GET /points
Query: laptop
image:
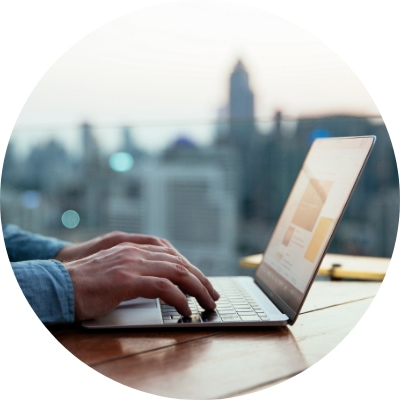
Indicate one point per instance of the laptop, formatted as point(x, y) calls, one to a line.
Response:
point(290, 262)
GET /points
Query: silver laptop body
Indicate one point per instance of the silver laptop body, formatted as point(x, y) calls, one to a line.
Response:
point(291, 259)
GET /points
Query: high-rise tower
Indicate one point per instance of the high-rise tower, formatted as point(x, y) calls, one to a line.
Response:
point(241, 106)
point(241, 133)
point(241, 98)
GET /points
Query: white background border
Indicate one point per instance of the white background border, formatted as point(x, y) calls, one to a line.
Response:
point(34, 34)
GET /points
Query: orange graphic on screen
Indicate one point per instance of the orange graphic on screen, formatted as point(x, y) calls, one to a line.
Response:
point(319, 237)
point(311, 204)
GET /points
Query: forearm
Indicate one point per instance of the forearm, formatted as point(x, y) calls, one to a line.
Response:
point(22, 245)
point(48, 288)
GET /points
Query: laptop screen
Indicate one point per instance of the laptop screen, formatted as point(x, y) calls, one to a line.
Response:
point(309, 219)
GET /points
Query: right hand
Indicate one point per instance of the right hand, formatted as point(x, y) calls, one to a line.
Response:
point(126, 271)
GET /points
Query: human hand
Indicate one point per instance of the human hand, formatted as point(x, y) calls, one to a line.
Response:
point(80, 250)
point(126, 271)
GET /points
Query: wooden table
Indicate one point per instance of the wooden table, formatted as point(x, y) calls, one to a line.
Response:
point(220, 363)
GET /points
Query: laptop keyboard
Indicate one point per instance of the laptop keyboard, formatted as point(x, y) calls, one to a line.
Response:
point(234, 305)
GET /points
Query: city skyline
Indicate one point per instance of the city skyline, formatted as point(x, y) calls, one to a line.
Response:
point(163, 73)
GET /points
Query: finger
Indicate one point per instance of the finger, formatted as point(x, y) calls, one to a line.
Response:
point(182, 277)
point(186, 263)
point(199, 275)
point(204, 281)
point(151, 287)
point(166, 254)
point(142, 239)
point(114, 238)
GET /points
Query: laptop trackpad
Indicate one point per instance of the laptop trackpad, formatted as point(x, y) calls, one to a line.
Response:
point(135, 312)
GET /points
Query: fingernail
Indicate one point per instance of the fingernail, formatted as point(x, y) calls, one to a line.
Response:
point(216, 295)
point(188, 312)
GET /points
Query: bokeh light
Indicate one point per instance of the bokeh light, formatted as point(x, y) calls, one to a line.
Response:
point(31, 199)
point(121, 162)
point(70, 219)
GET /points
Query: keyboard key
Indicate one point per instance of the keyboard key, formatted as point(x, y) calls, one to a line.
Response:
point(226, 312)
point(247, 313)
point(233, 301)
point(230, 318)
point(249, 318)
point(210, 316)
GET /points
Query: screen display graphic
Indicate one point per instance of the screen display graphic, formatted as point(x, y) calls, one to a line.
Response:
point(310, 216)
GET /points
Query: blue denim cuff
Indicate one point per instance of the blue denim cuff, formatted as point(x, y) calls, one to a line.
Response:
point(22, 245)
point(48, 288)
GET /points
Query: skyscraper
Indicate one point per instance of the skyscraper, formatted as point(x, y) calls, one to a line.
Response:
point(241, 98)
point(241, 106)
point(241, 133)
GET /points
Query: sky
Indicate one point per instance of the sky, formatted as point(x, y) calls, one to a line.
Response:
point(34, 35)
point(164, 70)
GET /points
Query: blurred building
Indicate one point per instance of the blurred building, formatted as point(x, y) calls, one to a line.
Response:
point(240, 133)
point(193, 209)
point(241, 107)
point(214, 203)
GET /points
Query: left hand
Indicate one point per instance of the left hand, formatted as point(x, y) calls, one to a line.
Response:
point(80, 250)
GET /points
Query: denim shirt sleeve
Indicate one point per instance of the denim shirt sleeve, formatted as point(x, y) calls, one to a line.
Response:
point(44, 281)
point(22, 245)
point(48, 288)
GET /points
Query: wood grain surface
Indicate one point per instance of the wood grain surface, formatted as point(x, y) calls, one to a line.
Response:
point(218, 363)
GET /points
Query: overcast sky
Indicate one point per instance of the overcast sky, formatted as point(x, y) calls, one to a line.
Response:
point(164, 70)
